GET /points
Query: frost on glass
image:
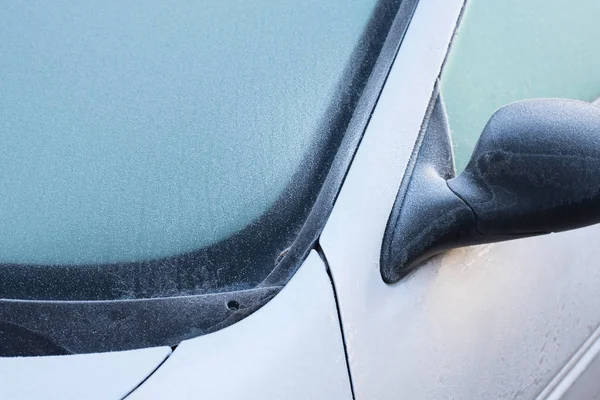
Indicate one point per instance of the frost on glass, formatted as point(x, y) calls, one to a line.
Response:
point(138, 130)
point(512, 50)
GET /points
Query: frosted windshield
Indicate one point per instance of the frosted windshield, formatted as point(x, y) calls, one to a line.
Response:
point(138, 130)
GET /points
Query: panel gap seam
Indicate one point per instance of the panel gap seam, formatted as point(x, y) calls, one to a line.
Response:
point(321, 254)
point(150, 374)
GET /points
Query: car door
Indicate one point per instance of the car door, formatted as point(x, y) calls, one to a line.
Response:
point(515, 319)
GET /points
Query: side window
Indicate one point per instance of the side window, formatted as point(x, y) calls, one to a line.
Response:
point(510, 50)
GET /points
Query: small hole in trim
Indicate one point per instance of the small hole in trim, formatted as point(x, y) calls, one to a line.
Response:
point(233, 305)
point(281, 255)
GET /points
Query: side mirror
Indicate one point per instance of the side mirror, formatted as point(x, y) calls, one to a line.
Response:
point(535, 170)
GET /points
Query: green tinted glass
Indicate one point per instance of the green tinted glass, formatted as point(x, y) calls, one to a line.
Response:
point(138, 130)
point(511, 50)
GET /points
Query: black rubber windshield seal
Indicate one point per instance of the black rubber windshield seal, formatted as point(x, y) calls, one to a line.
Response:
point(92, 308)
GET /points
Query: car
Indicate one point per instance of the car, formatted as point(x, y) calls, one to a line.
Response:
point(303, 200)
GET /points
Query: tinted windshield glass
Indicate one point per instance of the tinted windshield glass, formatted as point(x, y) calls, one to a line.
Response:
point(134, 131)
point(166, 167)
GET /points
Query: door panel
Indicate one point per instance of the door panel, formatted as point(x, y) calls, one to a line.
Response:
point(493, 321)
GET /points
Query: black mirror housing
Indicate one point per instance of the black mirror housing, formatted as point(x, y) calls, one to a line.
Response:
point(535, 170)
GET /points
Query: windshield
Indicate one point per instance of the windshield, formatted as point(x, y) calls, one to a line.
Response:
point(166, 167)
point(138, 130)
point(153, 149)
